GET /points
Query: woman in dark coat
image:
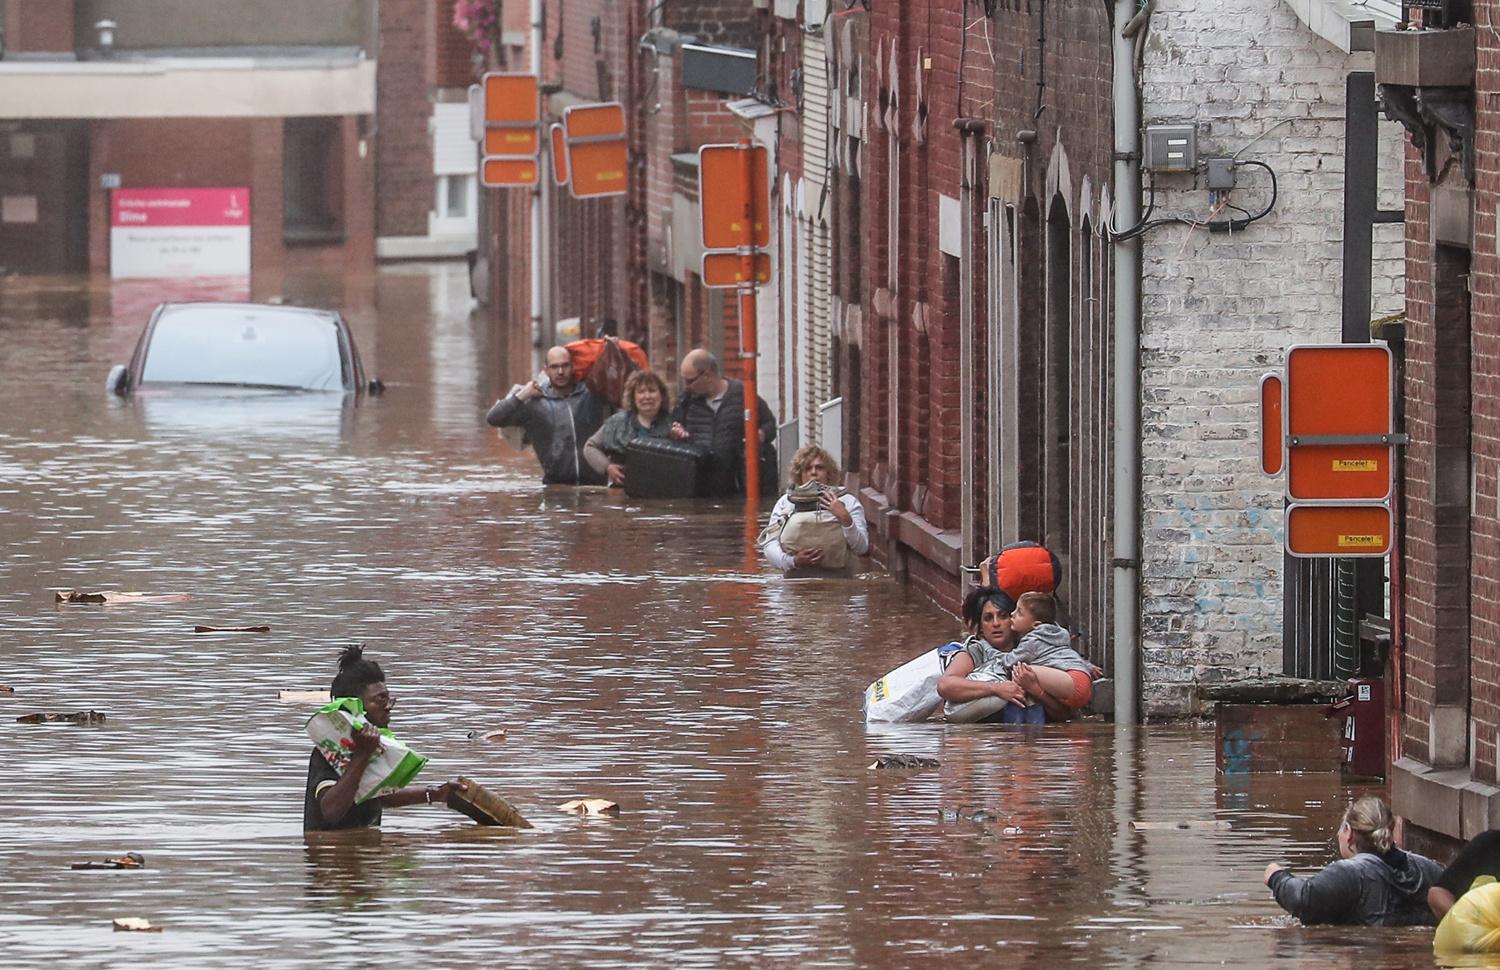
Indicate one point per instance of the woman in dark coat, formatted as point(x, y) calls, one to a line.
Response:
point(1374, 884)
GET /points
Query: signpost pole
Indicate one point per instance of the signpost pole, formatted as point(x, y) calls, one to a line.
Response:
point(748, 337)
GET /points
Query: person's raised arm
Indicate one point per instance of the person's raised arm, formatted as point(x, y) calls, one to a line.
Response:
point(509, 411)
point(856, 531)
point(955, 687)
point(1326, 897)
point(338, 799)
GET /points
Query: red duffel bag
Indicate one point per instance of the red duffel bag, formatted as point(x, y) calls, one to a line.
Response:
point(603, 364)
point(1021, 567)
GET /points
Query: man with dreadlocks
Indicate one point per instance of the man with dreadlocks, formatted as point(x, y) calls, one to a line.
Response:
point(329, 803)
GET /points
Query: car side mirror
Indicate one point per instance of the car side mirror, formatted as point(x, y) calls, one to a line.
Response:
point(375, 386)
point(118, 381)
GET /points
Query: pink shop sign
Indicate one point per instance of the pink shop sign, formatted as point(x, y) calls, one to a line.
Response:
point(164, 233)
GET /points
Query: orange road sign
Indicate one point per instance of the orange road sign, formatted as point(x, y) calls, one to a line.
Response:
point(508, 172)
point(729, 218)
point(512, 110)
point(1339, 434)
point(559, 147)
point(598, 156)
point(1344, 531)
point(1272, 443)
point(728, 269)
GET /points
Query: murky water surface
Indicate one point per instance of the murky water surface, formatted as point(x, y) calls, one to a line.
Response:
point(628, 652)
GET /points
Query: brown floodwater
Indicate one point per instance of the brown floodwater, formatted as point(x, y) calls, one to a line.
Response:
point(628, 651)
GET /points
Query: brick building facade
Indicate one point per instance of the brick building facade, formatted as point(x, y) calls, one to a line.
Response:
point(281, 105)
point(1445, 663)
point(997, 130)
point(626, 262)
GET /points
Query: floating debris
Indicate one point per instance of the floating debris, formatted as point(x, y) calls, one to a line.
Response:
point(1185, 826)
point(112, 596)
point(82, 717)
point(303, 696)
point(485, 807)
point(590, 806)
point(135, 924)
point(903, 761)
point(130, 860)
point(231, 629)
point(486, 735)
point(959, 815)
point(7, 691)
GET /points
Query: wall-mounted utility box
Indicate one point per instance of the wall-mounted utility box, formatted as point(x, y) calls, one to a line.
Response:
point(1170, 148)
point(728, 70)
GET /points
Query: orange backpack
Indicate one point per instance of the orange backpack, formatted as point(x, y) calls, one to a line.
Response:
point(1022, 567)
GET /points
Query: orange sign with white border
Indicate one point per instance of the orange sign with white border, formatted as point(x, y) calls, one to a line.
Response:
point(1346, 531)
point(508, 172)
point(598, 156)
point(1338, 420)
point(512, 110)
point(728, 269)
point(722, 201)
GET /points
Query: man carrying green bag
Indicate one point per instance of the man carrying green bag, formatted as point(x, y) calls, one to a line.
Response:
point(357, 766)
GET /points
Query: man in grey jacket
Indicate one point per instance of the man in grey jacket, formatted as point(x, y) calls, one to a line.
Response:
point(559, 415)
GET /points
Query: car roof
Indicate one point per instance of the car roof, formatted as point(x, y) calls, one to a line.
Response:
point(331, 315)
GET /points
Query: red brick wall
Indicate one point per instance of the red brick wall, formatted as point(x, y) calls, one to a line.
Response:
point(404, 182)
point(962, 78)
point(1484, 642)
point(453, 57)
point(1448, 632)
point(32, 26)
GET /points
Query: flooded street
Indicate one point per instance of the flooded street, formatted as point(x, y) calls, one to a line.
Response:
point(627, 651)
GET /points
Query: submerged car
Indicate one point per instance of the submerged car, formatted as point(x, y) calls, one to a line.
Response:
point(244, 345)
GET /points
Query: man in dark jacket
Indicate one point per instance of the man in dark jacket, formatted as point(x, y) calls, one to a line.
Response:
point(559, 415)
point(711, 413)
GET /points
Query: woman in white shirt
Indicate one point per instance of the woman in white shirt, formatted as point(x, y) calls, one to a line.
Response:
point(814, 465)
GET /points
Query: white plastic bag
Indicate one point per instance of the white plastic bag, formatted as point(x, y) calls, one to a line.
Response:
point(909, 693)
point(392, 767)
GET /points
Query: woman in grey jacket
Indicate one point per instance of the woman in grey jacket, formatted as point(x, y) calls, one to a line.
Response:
point(1374, 884)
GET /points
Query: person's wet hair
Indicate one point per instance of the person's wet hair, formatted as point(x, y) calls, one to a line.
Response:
point(355, 673)
point(1371, 827)
point(974, 604)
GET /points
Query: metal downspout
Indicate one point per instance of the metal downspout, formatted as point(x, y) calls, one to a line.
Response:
point(1127, 309)
point(537, 334)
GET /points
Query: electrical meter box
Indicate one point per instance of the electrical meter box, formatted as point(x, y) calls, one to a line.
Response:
point(1170, 148)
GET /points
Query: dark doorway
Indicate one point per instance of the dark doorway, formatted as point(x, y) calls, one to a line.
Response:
point(44, 197)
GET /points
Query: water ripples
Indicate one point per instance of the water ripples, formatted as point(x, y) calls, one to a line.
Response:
point(627, 651)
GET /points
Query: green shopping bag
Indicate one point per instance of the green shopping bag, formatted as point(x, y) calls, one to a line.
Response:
point(392, 767)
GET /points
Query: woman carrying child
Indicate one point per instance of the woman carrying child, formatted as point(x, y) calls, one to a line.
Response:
point(1017, 663)
point(646, 415)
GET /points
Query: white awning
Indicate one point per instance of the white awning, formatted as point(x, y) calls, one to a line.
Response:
point(186, 88)
point(1349, 25)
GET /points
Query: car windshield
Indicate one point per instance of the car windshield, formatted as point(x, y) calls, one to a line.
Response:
point(244, 345)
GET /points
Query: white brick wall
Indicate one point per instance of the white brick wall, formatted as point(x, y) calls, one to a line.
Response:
point(1218, 311)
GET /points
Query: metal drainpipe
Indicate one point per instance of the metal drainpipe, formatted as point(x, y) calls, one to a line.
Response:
point(1127, 295)
point(970, 132)
point(538, 224)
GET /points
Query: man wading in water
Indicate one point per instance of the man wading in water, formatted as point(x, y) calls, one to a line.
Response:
point(329, 803)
